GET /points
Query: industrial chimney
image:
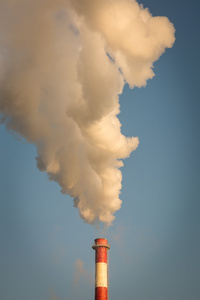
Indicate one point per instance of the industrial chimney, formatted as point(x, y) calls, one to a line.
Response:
point(101, 269)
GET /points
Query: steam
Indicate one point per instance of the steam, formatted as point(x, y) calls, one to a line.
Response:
point(63, 65)
point(80, 273)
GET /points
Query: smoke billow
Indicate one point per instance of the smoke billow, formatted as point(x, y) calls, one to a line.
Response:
point(63, 65)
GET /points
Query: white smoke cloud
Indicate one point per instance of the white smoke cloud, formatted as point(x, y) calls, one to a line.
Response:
point(63, 65)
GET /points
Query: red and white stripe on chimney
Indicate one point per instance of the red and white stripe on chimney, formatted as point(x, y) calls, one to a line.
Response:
point(101, 269)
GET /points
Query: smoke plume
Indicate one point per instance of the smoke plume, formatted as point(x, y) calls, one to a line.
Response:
point(81, 273)
point(63, 65)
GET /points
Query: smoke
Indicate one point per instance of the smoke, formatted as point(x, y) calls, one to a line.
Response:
point(63, 65)
point(80, 273)
point(53, 295)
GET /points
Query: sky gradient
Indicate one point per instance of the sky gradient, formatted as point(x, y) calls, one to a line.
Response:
point(46, 249)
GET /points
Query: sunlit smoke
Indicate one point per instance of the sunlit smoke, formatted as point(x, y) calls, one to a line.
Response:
point(63, 65)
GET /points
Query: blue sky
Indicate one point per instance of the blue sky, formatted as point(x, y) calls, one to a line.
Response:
point(154, 240)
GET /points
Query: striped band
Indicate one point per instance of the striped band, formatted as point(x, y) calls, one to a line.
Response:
point(101, 279)
point(101, 255)
point(101, 293)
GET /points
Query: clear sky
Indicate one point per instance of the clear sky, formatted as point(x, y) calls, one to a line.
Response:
point(46, 252)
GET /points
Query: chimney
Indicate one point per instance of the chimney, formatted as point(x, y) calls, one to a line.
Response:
point(101, 270)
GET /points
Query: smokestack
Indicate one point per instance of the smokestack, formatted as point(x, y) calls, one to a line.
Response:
point(101, 269)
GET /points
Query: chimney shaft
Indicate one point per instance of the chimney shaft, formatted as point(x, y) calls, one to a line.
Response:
point(101, 270)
